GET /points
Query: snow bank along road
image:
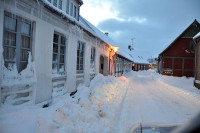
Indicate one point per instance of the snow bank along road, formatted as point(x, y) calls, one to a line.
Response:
point(108, 105)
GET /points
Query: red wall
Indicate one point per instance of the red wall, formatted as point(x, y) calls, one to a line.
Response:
point(180, 48)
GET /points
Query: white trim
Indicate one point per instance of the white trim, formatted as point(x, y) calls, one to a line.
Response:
point(197, 81)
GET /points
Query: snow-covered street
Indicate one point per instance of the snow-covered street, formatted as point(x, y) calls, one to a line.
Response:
point(110, 104)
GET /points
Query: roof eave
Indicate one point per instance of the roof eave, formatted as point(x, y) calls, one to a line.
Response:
point(178, 37)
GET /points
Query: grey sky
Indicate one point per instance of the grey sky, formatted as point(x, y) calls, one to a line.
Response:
point(153, 23)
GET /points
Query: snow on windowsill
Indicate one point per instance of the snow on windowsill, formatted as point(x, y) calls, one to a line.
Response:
point(12, 78)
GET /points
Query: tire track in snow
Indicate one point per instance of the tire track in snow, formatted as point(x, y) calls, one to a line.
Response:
point(146, 100)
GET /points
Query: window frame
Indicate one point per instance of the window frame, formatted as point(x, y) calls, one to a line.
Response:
point(18, 40)
point(67, 6)
point(92, 57)
point(79, 56)
point(55, 3)
point(58, 53)
point(71, 9)
point(60, 3)
point(74, 11)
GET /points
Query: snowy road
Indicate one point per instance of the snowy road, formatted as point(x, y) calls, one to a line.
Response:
point(108, 105)
point(148, 100)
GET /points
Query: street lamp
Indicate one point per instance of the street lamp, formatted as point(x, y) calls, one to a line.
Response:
point(115, 49)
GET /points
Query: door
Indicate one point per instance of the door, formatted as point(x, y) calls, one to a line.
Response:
point(101, 64)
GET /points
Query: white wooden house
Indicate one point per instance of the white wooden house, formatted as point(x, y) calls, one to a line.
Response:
point(47, 47)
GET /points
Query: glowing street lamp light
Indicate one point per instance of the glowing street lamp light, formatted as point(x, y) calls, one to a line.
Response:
point(115, 49)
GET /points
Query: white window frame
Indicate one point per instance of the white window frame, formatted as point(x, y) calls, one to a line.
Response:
point(22, 44)
point(67, 6)
point(60, 4)
point(55, 3)
point(92, 57)
point(75, 11)
point(71, 9)
point(60, 43)
point(80, 57)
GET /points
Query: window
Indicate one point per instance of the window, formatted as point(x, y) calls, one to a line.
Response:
point(92, 60)
point(17, 41)
point(74, 11)
point(192, 45)
point(71, 9)
point(60, 4)
point(67, 6)
point(49, 1)
point(55, 3)
point(59, 47)
point(80, 58)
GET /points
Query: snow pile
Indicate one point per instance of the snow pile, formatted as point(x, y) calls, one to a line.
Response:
point(10, 75)
point(109, 104)
point(91, 109)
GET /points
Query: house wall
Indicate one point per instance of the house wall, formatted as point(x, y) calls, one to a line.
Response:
point(45, 23)
point(178, 60)
point(197, 58)
point(138, 67)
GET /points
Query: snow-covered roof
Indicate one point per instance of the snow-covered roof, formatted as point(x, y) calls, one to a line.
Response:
point(106, 38)
point(86, 25)
point(140, 59)
point(195, 22)
point(197, 35)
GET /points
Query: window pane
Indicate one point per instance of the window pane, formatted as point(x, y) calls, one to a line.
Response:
point(23, 65)
point(77, 61)
point(24, 55)
point(9, 53)
point(62, 49)
point(9, 65)
point(62, 41)
point(55, 48)
point(62, 68)
point(78, 53)
point(25, 42)
point(81, 61)
point(55, 3)
point(60, 4)
point(71, 9)
point(55, 39)
point(74, 11)
point(54, 67)
point(81, 54)
point(77, 67)
point(55, 57)
point(10, 23)
point(62, 57)
point(67, 6)
point(25, 28)
point(9, 38)
point(81, 67)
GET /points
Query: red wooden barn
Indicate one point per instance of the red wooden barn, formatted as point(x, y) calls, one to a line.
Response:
point(178, 58)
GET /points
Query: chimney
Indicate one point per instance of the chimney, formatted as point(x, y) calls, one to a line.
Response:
point(106, 33)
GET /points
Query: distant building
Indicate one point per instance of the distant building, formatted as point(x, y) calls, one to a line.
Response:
point(140, 63)
point(197, 62)
point(47, 48)
point(178, 58)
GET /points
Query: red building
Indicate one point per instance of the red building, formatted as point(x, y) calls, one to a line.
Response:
point(140, 63)
point(197, 62)
point(178, 59)
point(140, 66)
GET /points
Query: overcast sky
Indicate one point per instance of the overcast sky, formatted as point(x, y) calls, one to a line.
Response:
point(153, 23)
